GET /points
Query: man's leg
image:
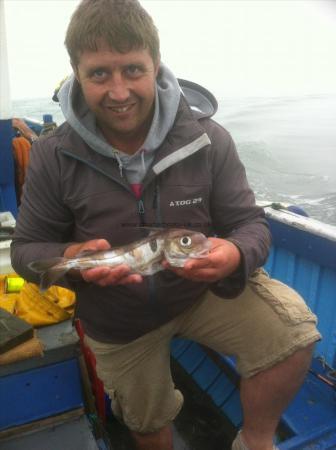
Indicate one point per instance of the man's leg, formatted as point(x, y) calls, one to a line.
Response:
point(160, 440)
point(138, 380)
point(271, 332)
point(266, 395)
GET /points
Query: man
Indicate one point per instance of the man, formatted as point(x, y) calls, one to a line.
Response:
point(133, 151)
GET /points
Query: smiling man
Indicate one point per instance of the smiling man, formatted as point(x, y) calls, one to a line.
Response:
point(140, 148)
point(119, 89)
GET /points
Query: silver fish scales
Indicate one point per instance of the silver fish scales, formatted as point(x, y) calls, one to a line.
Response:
point(144, 256)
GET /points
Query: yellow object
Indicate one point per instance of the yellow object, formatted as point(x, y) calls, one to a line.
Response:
point(37, 308)
point(8, 302)
point(13, 284)
point(62, 297)
point(42, 309)
point(3, 278)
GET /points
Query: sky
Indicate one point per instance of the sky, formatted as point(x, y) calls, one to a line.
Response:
point(232, 47)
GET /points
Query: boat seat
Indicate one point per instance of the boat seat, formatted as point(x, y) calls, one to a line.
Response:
point(313, 408)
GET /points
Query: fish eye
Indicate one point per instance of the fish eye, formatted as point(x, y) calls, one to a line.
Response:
point(185, 241)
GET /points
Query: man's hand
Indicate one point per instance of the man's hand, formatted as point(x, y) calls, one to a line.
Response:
point(224, 258)
point(24, 129)
point(104, 275)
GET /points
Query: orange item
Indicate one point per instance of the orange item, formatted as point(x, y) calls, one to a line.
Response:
point(21, 149)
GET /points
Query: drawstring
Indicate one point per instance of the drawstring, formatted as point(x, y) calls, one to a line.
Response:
point(143, 160)
point(120, 164)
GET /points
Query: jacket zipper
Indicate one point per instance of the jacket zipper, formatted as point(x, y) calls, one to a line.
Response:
point(151, 283)
point(141, 211)
point(156, 206)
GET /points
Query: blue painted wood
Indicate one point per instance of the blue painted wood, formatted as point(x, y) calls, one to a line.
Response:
point(221, 390)
point(192, 358)
point(7, 177)
point(322, 439)
point(302, 243)
point(179, 346)
point(317, 285)
point(232, 408)
point(313, 406)
point(40, 393)
point(206, 374)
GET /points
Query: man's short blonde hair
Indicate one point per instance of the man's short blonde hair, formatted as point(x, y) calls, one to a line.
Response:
point(123, 24)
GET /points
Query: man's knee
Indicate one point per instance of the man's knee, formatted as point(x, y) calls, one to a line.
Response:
point(146, 415)
point(159, 440)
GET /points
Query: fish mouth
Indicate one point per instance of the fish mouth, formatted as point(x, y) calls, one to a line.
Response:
point(184, 256)
point(202, 254)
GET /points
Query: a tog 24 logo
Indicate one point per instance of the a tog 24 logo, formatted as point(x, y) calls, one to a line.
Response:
point(192, 201)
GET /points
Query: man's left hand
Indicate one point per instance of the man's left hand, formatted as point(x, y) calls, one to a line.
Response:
point(223, 259)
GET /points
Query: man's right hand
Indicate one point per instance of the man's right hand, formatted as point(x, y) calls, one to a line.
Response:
point(104, 275)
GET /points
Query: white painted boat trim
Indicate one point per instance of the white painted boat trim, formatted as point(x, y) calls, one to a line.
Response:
point(300, 222)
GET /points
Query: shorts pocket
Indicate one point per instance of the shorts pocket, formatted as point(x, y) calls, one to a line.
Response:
point(286, 302)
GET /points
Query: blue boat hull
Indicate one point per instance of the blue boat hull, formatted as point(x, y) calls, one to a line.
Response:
point(304, 260)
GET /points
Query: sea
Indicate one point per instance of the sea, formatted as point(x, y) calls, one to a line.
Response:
point(287, 144)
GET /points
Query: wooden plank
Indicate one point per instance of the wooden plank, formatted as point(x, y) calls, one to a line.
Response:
point(13, 331)
point(42, 424)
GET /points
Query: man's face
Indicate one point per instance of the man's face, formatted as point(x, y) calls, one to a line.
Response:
point(119, 89)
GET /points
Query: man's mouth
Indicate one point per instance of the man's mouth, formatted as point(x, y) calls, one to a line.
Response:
point(120, 109)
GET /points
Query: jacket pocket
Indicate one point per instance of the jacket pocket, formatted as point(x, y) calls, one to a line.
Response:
point(286, 302)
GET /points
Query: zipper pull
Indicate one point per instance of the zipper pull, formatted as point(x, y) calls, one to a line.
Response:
point(141, 207)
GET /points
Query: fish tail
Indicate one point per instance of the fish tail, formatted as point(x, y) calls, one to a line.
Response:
point(50, 277)
point(49, 271)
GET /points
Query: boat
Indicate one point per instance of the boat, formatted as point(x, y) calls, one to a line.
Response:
point(57, 402)
point(303, 255)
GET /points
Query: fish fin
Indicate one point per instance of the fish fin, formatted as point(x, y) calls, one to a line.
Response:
point(49, 277)
point(49, 273)
point(45, 264)
point(152, 269)
point(154, 230)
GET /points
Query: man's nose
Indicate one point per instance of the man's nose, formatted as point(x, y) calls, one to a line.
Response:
point(118, 89)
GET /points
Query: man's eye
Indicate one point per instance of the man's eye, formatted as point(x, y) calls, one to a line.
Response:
point(98, 74)
point(133, 70)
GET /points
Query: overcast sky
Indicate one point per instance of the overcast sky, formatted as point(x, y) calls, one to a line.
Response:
point(239, 47)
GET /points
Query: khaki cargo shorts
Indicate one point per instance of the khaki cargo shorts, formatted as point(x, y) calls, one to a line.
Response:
point(261, 327)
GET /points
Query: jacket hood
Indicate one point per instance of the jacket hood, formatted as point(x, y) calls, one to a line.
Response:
point(200, 100)
point(167, 99)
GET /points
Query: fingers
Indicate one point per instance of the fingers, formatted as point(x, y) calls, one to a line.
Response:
point(206, 274)
point(102, 276)
point(94, 245)
point(101, 244)
point(223, 259)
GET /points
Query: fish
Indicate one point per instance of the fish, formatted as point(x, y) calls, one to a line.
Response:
point(144, 256)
